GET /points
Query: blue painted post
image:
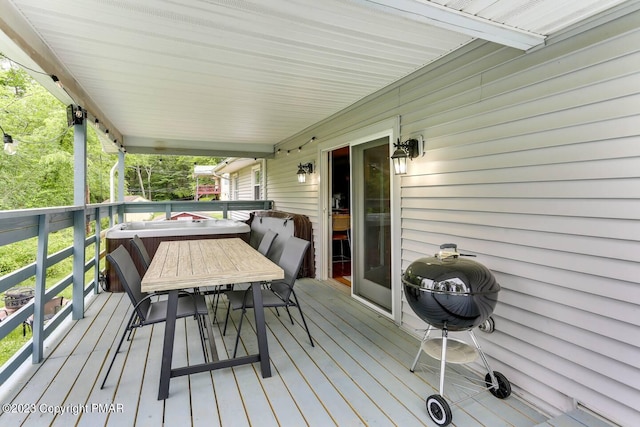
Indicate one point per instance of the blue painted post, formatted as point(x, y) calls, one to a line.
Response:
point(37, 353)
point(96, 259)
point(120, 185)
point(79, 225)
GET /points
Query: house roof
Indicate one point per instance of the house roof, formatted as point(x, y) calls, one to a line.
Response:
point(234, 79)
point(234, 164)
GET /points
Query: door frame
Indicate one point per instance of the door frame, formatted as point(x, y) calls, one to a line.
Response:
point(386, 128)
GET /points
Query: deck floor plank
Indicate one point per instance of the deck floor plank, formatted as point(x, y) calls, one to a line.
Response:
point(109, 332)
point(178, 406)
point(357, 373)
point(203, 413)
point(50, 382)
point(150, 410)
point(368, 372)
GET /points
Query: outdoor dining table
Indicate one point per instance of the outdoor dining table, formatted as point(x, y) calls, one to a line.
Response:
point(184, 264)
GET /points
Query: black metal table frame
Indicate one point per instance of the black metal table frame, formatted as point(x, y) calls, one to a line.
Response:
point(166, 373)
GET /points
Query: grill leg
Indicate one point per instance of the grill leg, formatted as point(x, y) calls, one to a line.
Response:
point(494, 382)
point(443, 360)
point(424, 338)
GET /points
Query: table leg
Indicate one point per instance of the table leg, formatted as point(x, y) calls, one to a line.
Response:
point(261, 331)
point(167, 349)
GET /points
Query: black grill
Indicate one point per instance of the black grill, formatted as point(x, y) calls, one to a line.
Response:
point(450, 291)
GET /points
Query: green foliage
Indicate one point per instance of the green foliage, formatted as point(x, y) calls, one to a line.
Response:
point(19, 254)
point(161, 178)
point(12, 343)
point(41, 172)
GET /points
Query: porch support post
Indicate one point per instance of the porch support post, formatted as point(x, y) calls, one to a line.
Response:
point(120, 184)
point(79, 216)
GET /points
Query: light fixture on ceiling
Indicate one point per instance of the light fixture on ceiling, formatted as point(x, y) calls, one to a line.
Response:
point(408, 149)
point(303, 170)
point(9, 146)
point(56, 80)
point(75, 115)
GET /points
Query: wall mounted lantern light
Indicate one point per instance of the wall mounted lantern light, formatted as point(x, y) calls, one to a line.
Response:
point(303, 170)
point(408, 149)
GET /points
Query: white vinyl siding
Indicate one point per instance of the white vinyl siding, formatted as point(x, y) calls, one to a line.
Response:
point(533, 163)
point(244, 191)
point(256, 182)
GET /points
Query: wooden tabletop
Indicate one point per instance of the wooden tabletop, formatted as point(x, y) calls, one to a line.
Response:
point(210, 262)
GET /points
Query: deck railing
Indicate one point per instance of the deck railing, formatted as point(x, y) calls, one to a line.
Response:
point(86, 251)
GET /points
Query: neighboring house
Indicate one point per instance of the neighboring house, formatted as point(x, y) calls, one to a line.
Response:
point(207, 182)
point(187, 216)
point(242, 179)
point(532, 162)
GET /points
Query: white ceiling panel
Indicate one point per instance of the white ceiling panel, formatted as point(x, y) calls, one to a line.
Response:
point(204, 75)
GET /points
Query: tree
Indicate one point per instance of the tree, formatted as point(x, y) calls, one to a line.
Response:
point(163, 177)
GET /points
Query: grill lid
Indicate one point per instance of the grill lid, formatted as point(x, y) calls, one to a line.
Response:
point(450, 291)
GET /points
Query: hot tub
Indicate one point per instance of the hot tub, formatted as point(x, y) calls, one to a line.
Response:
point(154, 232)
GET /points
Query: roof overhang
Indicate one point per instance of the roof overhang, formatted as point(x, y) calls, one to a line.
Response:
point(432, 13)
point(235, 79)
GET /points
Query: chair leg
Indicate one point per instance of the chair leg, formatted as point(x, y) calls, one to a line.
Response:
point(226, 319)
point(216, 299)
point(201, 327)
point(235, 348)
point(286, 307)
point(304, 322)
point(113, 359)
point(133, 320)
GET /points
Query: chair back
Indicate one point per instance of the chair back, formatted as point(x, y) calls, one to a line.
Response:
point(137, 243)
point(290, 261)
point(130, 279)
point(266, 242)
point(341, 222)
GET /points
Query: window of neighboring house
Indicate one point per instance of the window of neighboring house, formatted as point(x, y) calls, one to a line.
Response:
point(235, 187)
point(256, 181)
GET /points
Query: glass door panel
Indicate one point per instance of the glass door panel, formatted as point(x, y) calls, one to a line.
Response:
point(372, 222)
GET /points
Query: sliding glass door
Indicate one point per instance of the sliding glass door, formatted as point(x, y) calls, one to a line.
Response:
point(371, 203)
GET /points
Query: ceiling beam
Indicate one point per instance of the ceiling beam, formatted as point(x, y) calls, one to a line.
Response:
point(163, 146)
point(454, 20)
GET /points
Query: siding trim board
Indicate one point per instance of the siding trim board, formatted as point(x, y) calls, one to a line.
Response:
point(533, 164)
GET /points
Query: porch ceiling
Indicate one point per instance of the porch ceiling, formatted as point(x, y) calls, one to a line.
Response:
point(234, 78)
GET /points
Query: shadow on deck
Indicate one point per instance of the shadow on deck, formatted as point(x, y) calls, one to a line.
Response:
point(358, 374)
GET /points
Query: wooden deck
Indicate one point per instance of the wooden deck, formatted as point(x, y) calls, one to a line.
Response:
point(357, 374)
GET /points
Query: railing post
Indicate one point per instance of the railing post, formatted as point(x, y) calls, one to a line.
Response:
point(79, 199)
point(78, 263)
point(41, 281)
point(96, 260)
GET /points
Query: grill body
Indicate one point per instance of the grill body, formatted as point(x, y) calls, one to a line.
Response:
point(453, 293)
